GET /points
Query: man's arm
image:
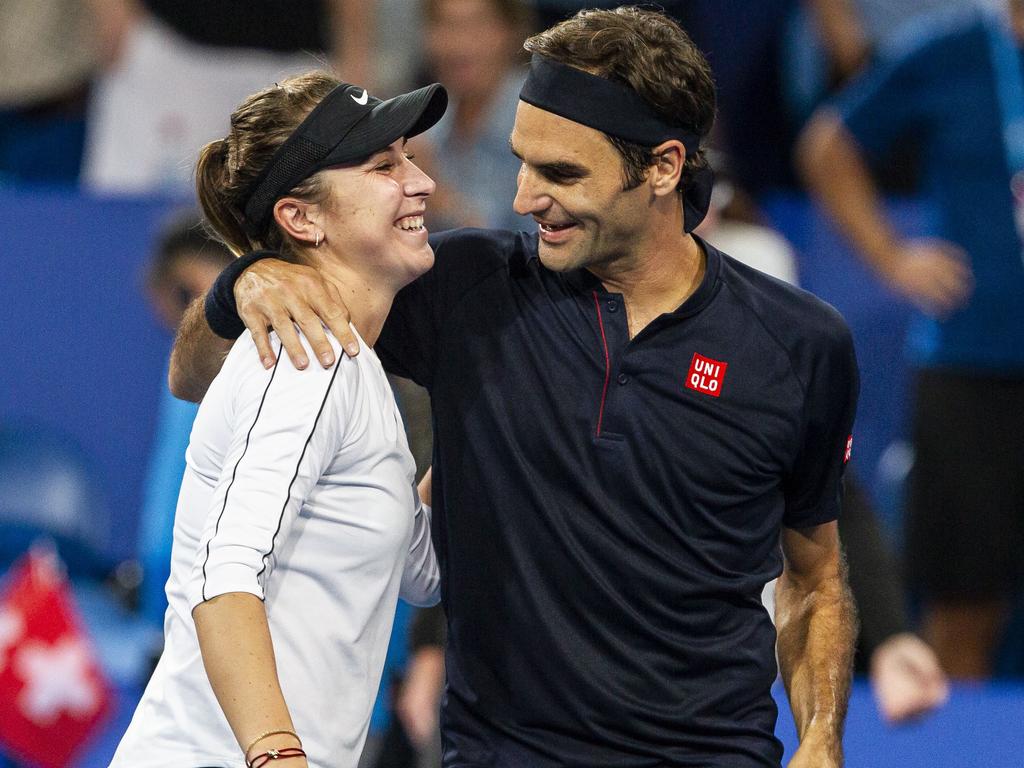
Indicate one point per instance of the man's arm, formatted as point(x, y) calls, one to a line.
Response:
point(817, 626)
point(842, 32)
point(269, 294)
point(197, 355)
point(932, 274)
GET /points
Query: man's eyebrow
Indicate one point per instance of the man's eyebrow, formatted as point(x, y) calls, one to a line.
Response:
point(562, 168)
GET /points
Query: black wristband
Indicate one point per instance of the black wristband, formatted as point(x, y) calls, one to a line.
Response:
point(220, 308)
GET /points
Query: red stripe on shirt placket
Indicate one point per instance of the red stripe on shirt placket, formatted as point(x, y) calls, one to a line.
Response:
point(607, 364)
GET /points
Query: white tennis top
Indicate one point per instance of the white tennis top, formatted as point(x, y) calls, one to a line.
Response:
point(299, 489)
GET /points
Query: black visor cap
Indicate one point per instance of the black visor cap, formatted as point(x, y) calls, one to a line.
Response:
point(348, 125)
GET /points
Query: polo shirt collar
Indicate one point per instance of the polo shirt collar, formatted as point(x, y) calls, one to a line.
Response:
point(585, 282)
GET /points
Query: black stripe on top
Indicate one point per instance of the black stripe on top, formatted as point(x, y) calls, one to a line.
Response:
point(298, 464)
point(234, 471)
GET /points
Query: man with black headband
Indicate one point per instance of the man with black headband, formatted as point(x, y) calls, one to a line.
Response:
point(626, 422)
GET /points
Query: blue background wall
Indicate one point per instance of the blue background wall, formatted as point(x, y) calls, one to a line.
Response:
point(82, 352)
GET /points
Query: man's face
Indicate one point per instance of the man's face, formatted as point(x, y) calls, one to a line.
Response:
point(571, 182)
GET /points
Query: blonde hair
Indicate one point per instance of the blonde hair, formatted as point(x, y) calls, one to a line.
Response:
point(228, 167)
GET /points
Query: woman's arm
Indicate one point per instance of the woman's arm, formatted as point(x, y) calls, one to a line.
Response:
point(286, 427)
point(421, 578)
point(197, 356)
point(239, 658)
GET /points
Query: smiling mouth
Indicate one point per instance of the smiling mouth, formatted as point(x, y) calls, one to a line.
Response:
point(411, 223)
point(550, 228)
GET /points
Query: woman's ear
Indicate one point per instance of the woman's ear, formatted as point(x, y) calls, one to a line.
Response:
point(298, 219)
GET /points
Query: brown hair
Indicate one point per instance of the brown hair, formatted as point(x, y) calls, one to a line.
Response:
point(650, 53)
point(227, 167)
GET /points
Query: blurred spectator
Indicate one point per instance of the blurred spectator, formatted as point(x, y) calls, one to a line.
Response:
point(831, 41)
point(957, 85)
point(50, 52)
point(906, 678)
point(742, 41)
point(474, 47)
point(185, 64)
point(418, 704)
point(342, 28)
point(185, 263)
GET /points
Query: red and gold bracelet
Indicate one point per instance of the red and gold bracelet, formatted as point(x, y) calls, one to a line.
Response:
point(275, 754)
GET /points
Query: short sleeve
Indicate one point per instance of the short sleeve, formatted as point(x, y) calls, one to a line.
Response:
point(893, 97)
point(285, 432)
point(813, 488)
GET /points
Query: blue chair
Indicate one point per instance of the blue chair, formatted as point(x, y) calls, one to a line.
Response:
point(48, 489)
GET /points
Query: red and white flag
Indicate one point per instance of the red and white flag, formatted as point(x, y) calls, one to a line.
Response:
point(53, 694)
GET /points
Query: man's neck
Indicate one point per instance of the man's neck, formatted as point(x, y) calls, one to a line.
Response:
point(655, 279)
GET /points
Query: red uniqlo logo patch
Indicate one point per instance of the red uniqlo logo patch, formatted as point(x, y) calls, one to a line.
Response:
point(849, 449)
point(706, 375)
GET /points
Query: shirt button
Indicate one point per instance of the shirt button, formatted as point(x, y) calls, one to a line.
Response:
point(623, 378)
point(613, 306)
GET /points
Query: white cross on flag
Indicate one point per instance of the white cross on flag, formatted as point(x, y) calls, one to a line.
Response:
point(53, 692)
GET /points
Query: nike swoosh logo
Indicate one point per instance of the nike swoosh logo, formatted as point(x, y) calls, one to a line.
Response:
point(361, 100)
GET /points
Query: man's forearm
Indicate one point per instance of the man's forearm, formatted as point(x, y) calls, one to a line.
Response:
point(817, 628)
point(837, 175)
point(197, 356)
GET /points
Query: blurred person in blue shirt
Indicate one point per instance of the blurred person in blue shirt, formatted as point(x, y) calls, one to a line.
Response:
point(475, 47)
point(184, 265)
point(956, 86)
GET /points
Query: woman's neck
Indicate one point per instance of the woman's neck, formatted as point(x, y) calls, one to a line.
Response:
point(367, 300)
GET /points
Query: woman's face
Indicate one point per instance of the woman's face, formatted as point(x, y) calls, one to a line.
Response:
point(374, 216)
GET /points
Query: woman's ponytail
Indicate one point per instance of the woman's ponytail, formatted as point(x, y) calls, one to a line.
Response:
point(213, 188)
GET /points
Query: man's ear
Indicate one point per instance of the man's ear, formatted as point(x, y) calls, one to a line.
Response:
point(298, 219)
point(667, 166)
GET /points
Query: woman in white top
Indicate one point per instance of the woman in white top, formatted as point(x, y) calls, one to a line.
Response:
point(298, 524)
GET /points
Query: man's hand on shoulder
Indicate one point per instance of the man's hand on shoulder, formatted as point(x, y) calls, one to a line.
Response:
point(269, 294)
point(279, 295)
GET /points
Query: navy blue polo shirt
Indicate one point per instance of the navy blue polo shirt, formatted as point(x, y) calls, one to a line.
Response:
point(608, 510)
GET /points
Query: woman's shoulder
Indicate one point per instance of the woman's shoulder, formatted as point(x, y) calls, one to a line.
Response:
point(244, 371)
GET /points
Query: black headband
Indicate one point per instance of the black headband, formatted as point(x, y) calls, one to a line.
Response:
point(346, 126)
point(616, 110)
